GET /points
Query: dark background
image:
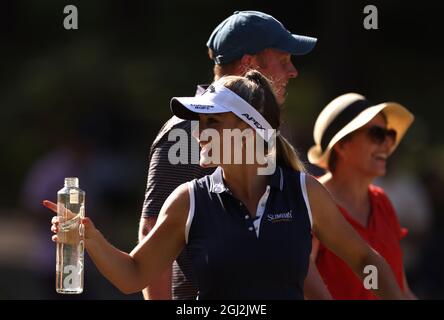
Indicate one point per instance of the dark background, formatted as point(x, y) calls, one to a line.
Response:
point(89, 102)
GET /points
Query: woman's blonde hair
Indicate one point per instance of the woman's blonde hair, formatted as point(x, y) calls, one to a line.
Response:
point(257, 91)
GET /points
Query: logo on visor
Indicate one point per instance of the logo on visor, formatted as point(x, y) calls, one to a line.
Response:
point(201, 106)
point(256, 123)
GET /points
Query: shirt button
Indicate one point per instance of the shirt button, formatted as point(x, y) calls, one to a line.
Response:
point(250, 228)
point(247, 217)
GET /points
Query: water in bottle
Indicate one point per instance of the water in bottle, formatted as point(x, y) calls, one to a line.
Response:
point(70, 247)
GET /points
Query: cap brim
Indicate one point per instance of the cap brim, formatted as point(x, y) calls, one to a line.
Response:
point(189, 108)
point(298, 45)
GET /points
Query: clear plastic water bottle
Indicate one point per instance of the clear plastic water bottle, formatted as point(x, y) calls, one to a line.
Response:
point(70, 247)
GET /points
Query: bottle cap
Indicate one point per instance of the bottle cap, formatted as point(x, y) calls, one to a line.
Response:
point(72, 182)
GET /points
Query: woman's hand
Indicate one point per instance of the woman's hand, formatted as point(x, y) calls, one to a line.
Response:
point(69, 231)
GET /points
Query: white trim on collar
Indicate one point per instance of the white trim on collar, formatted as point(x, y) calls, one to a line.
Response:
point(305, 195)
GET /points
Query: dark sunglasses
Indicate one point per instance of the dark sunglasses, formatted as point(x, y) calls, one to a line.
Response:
point(378, 134)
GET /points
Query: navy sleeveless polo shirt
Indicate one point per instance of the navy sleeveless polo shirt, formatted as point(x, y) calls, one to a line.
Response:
point(235, 257)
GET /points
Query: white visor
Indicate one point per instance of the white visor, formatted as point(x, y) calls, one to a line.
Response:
point(219, 99)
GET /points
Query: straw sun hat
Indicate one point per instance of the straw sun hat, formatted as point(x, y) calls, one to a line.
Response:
point(348, 113)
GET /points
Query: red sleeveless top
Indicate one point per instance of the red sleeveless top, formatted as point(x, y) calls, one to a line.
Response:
point(382, 233)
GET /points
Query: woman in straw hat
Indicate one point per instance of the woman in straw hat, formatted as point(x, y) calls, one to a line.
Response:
point(248, 234)
point(353, 141)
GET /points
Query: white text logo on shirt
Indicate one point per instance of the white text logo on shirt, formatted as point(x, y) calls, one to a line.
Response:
point(279, 217)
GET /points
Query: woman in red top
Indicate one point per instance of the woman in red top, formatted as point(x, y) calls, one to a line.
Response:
point(353, 141)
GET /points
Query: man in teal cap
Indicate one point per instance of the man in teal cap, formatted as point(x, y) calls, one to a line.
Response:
point(252, 39)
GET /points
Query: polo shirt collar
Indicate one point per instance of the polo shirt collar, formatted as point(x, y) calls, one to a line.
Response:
point(217, 184)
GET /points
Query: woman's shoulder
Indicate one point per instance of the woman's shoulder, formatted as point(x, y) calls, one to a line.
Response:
point(385, 211)
point(315, 187)
point(378, 193)
point(381, 201)
point(178, 202)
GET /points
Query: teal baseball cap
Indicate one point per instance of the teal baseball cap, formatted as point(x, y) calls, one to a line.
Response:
point(249, 32)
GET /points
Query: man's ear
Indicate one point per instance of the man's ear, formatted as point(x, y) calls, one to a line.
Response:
point(246, 63)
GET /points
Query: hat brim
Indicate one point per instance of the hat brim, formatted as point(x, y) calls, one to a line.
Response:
point(398, 118)
point(297, 44)
point(189, 108)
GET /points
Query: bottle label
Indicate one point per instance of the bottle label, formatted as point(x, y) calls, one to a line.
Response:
point(73, 197)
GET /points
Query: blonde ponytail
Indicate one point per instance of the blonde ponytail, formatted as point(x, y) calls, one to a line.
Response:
point(287, 156)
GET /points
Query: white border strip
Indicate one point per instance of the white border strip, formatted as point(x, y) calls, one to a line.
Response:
point(260, 211)
point(191, 211)
point(305, 195)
